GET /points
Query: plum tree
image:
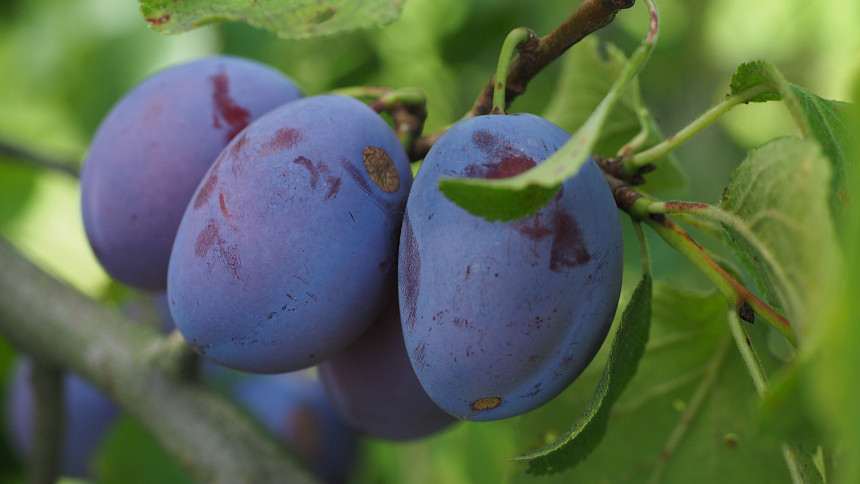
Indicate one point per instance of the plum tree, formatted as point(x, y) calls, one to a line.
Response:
point(288, 250)
point(152, 149)
point(373, 387)
point(498, 318)
point(88, 415)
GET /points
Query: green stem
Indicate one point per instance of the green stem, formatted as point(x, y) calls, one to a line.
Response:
point(644, 253)
point(48, 423)
point(732, 221)
point(751, 360)
point(735, 293)
point(516, 38)
point(706, 119)
point(759, 378)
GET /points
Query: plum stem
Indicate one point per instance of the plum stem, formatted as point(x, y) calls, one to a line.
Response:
point(635, 162)
point(48, 422)
point(589, 17)
point(518, 39)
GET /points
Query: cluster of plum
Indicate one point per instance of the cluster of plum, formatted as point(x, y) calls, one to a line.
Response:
point(288, 233)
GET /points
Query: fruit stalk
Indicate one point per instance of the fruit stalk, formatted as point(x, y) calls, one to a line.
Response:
point(589, 17)
point(209, 435)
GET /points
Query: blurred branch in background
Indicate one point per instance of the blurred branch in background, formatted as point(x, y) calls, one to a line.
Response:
point(24, 155)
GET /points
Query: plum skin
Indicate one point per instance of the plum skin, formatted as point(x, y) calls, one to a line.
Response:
point(295, 408)
point(498, 317)
point(153, 147)
point(287, 251)
point(374, 389)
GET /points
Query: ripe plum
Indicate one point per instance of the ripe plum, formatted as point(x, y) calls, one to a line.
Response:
point(288, 250)
point(152, 149)
point(498, 318)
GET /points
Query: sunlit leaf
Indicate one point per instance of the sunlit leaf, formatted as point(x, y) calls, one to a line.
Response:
point(784, 232)
point(286, 18)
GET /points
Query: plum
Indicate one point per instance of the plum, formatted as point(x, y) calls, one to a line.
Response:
point(288, 249)
point(151, 150)
point(374, 388)
point(294, 407)
point(498, 318)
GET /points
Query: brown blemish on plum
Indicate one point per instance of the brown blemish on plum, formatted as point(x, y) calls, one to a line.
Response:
point(419, 353)
point(210, 240)
point(223, 204)
point(388, 207)
point(381, 169)
point(286, 138)
point(206, 239)
point(205, 191)
point(320, 171)
point(410, 272)
point(568, 247)
point(312, 170)
point(486, 403)
point(226, 108)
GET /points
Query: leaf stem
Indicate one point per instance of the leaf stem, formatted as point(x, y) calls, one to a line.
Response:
point(732, 221)
point(516, 39)
point(589, 17)
point(759, 379)
point(661, 149)
point(735, 293)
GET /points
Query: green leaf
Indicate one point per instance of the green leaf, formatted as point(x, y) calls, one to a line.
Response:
point(752, 74)
point(782, 227)
point(286, 18)
point(824, 120)
point(585, 78)
point(130, 455)
point(588, 430)
point(503, 200)
point(687, 414)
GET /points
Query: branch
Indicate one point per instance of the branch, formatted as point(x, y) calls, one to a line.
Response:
point(206, 433)
point(589, 17)
point(14, 152)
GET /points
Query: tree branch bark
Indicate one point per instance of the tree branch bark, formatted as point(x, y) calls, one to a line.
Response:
point(209, 435)
point(589, 17)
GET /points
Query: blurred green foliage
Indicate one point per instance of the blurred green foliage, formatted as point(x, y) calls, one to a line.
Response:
point(63, 63)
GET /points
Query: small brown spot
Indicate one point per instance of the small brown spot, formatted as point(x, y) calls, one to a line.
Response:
point(323, 15)
point(731, 440)
point(161, 20)
point(205, 191)
point(486, 403)
point(381, 169)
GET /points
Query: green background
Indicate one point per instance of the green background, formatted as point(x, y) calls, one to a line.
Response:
point(63, 63)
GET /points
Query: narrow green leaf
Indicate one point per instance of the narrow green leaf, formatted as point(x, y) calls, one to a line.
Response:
point(286, 18)
point(588, 430)
point(587, 75)
point(782, 228)
point(502, 199)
